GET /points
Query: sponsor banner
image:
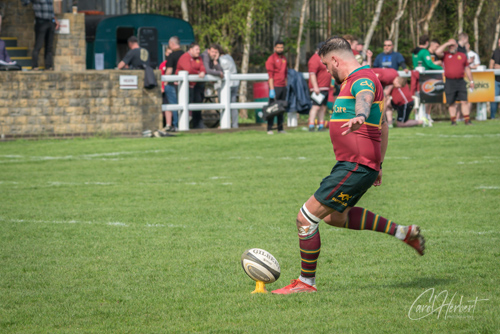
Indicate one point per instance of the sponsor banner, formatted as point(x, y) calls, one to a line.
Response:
point(431, 88)
point(484, 87)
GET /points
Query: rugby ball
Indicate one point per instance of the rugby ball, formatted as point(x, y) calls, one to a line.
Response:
point(260, 265)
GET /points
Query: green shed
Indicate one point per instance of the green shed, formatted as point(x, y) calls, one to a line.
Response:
point(107, 36)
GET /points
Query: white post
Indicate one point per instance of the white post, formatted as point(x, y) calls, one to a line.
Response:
point(482, 114)
point(183, 98)
point(225, 99)
point(482, 109)
point(421, 110)
point(292, 119)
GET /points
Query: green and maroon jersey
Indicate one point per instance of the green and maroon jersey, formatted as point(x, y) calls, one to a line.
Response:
point(363, 145)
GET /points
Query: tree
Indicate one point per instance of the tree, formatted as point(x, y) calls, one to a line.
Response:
point(423, 23)
point(476, 26)
point(184, 9)
point(299, 37)
point(394, 34)
point(460, 16)
point(376, 17)
point(246, 57)
point(497, 32)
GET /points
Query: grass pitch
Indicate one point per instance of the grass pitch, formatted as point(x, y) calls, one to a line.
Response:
point(145, 235)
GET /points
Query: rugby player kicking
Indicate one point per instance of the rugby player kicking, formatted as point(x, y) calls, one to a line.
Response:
point(359, 134)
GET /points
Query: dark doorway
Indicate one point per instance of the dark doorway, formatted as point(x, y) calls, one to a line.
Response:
point(122, 34)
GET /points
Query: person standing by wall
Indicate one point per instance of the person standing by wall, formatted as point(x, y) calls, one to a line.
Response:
point(276, 66)
point(46, 24)
point(171, 87)
point(136, 57)
point(319, 84)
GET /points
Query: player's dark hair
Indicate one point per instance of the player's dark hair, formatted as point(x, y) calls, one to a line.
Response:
point(278, 42)
point(435, 40)
point(132, 39)
point(192, 45)
point(423, 39)
point(215, 46)
point(334, 43)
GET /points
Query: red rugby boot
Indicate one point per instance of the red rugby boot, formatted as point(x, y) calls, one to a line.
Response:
point(296, 286)
point(415, 239)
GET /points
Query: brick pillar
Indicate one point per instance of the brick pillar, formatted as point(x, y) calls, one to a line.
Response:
point(70, 49)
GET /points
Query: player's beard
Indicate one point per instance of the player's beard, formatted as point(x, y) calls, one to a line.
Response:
point(280, 53)
point(337, 79)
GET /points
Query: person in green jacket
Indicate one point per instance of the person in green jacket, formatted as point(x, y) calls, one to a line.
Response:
point(421, 54)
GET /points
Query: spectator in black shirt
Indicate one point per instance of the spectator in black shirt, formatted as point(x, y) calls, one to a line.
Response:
point(171, 87)
point(136, 57)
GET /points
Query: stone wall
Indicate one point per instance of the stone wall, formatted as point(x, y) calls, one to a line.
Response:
point(37, 104)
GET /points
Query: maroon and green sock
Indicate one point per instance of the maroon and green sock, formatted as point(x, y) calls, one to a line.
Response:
point(310, 247)
point(362, 219)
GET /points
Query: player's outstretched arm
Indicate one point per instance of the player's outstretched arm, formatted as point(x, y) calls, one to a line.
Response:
point(363, 106)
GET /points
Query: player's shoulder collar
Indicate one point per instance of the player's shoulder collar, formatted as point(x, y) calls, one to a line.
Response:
point(358, 69)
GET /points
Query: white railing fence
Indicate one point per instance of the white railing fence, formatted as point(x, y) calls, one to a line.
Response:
point(225, 105)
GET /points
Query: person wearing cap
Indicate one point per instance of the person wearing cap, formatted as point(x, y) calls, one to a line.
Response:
point(319, 84)
point(136, 57)
point(276, 66)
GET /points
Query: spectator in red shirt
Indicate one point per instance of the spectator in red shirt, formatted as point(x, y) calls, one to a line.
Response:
point(387, 77)
point(319, 84)
point(455, 65)
point(276, 66)
point(191, 62)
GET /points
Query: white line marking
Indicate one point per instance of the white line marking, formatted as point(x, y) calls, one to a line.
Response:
point(77, 157)
point(84, 222)
point(475, 162)
point(117, 224)
point(457, 136)
point(488, 187)
point(398, 158)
